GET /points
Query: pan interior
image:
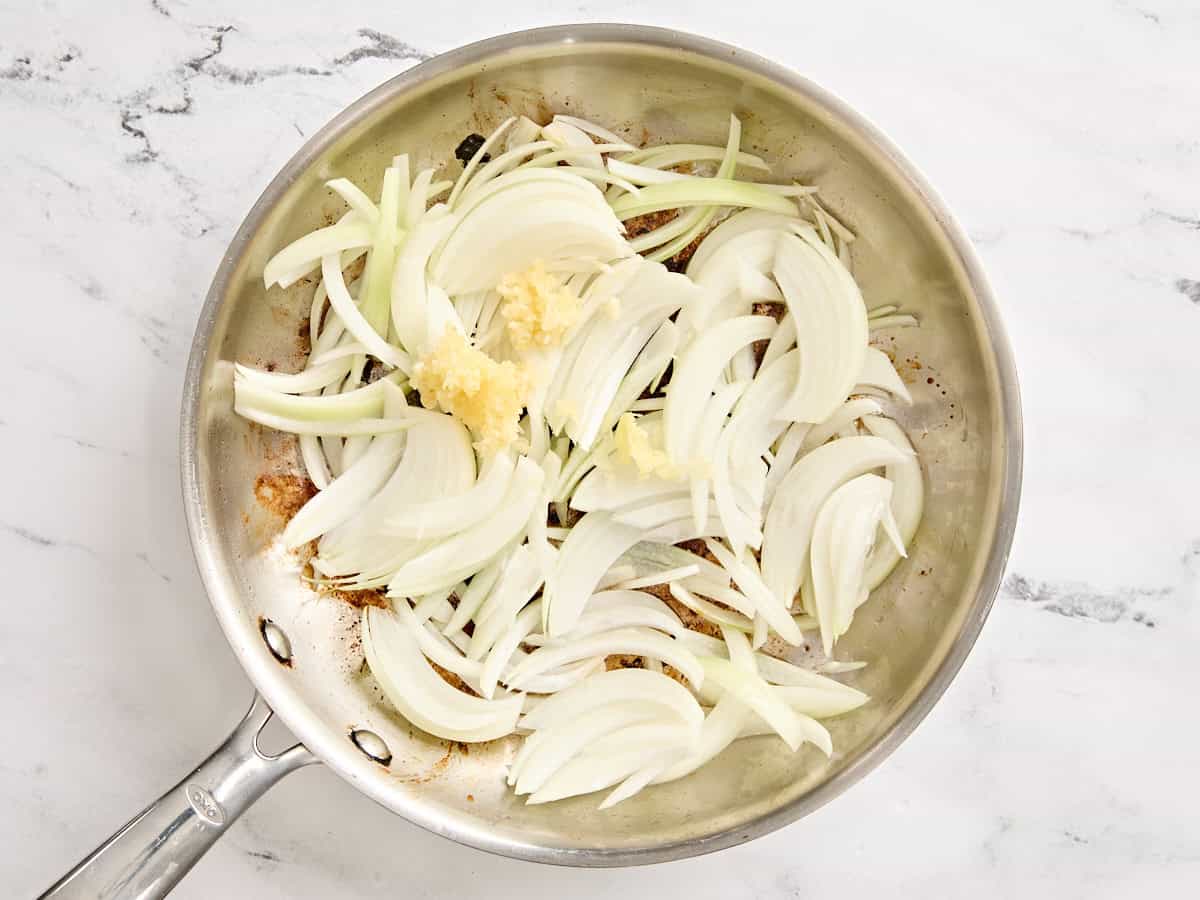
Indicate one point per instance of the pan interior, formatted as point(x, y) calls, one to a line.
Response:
point(905, 254)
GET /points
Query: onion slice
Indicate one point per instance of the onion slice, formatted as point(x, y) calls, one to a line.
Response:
point(420, 694)
point(750, 689)
point(879, 374)
point(908, 499)
point(594, 544)
point(831, 325)
point(697, 372)
point(843, 535)
point(449, 515)
point(469, 551)
point(636, 641)
point(788, 529)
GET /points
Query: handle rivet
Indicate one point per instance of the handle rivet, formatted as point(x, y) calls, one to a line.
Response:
point(277, 642)
point(372, 745)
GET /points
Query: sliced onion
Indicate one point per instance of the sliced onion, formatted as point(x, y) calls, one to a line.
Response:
point(456, 558)
point(651, 768)
point(772, 607)
point(365, 402)
point(738, 224)
point(636, 641)
point(751, 431)
point(618, 685)
point(908, 499)
point(303, 255)
point(706, 436)
point(362, 330)
point(843, 534)
point(437, 461)
point(553, 747)
point(517, 219)
point(684, 529)
point(593, 772)
point(722, 271)
point(412, 316)
point(602, 351)
point(594, 544)
point(701, 192)
point(879, 374)
point(663, 577)
point(781, 341)
point(788, 528)
point(505, 646)
point(740, 653)
point(701, 217)
point(567, 136)
point(355, 199)
point(844, 416)
point(619, 487)
point(477, 158)
point(439, 650)
point(438, 518)
point(313, 378)
point(818, 703)
point(787, 448)
point(594, 130)
point(905, 320)
point(377, 276)
point(739, 614)
point(651, 362)
point(321, 428)
point(831, 325)
point(435, 607)
point(696, 374)
point(665, 156)
point(721, 728)
point(648, 516)
point(616, 608)
point(470, 600)
point(647, 558)
point(349, 491)
point(560, 679)
point(642, 175)
point(521, 579)
point(420, 694)
point(750, 689)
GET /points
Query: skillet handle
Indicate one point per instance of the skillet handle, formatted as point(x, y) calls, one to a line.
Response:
point(148, 857)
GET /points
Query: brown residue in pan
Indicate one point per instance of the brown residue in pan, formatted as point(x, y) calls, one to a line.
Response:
point(623, 661)
point(679, 262)
point(283, 494)
point(451, 679)
point(640, 225)
point(436, 770)
point(769, 308)
point(909, 368)
point(303, 337)
point(776, 311)
point(357, 599)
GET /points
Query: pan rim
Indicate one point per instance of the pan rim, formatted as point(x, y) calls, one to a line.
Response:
point(326, 742)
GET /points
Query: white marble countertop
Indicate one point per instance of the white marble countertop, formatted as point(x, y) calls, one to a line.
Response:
point(1062, 761)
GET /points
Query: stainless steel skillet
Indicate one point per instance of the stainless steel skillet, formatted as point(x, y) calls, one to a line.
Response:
point(302, 652)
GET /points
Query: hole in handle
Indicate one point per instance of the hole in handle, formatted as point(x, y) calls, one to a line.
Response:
point(276, 640)
point(372, 745)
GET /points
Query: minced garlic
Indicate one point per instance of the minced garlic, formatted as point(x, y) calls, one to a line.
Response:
point(540, 309)
point(485, 395)
point(634, 445)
